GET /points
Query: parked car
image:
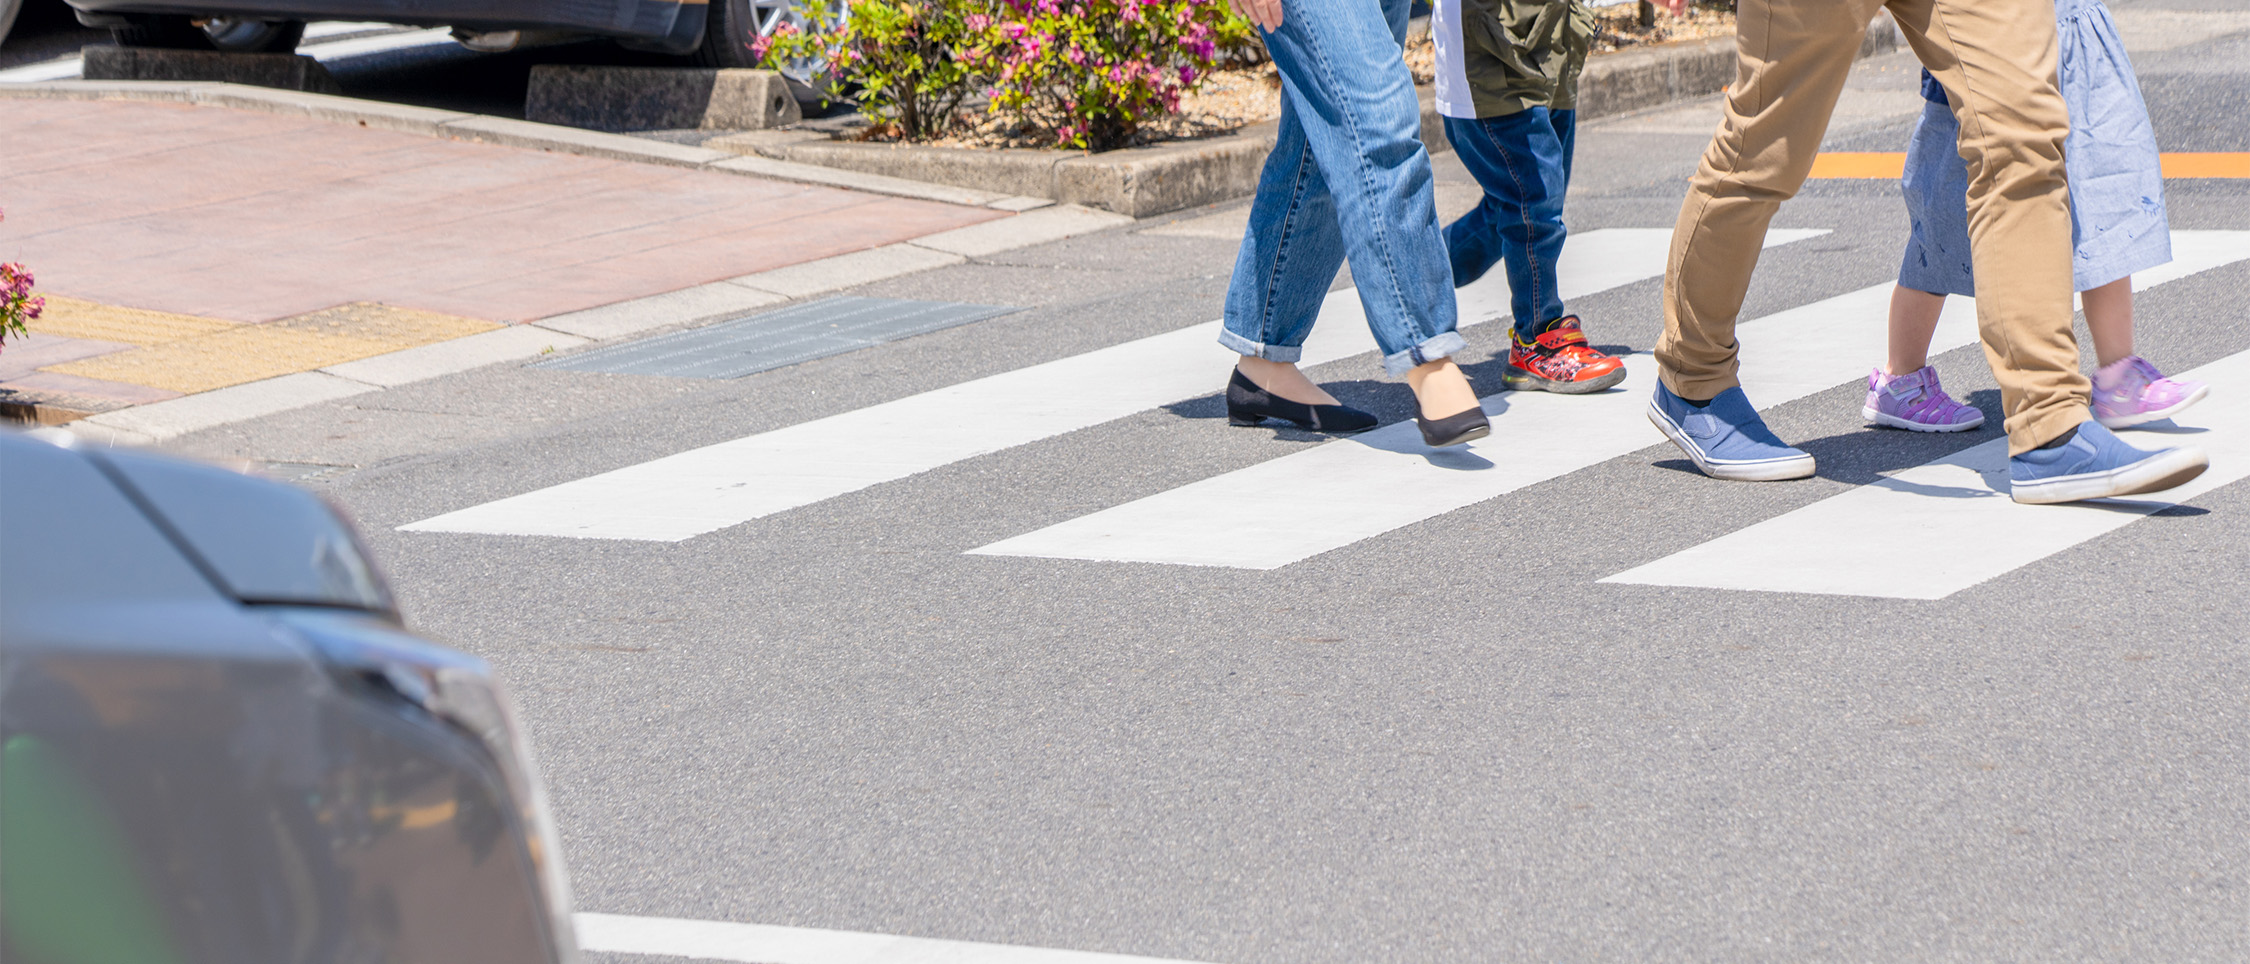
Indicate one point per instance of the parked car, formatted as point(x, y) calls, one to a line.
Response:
point(718, 33)
point(219, 744)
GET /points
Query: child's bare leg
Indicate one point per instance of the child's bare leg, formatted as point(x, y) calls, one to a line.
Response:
point(2109, 315)
point(1914, 317)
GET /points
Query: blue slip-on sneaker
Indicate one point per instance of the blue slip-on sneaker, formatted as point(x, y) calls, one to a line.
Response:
point(1727, 439)
point(2096, 464)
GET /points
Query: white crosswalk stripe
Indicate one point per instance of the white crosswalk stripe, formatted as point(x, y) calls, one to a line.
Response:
point(1351, 489)
point(767, 944)
point(1936, 529)
point(703, 490)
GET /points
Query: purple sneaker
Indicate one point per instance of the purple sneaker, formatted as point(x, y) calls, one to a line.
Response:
point(1916, 403)
point(2130, 391)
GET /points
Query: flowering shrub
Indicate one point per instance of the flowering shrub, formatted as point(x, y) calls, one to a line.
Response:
point(1093, 71)
point(17, 303)
point(900, 60)
point(1087, 72)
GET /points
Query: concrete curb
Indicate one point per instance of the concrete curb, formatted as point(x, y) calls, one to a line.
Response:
point(698, 305)
point(162, 420)
point(459, 355)
point(848, 270)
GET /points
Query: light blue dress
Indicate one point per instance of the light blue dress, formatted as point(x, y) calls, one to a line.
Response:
point(2117, 221)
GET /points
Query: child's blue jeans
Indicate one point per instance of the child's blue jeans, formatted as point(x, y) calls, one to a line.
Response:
point(1522, 160)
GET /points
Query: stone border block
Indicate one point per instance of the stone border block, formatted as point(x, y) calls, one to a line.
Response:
point(284, 71)
point(659, 98)
point(1167, 177)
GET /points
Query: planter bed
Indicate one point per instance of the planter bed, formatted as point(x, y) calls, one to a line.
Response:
point(1171, 176)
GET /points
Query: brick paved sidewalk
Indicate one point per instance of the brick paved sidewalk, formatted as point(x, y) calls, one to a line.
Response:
point(188, 248)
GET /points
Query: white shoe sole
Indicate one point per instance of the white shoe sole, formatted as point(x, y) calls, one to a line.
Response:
point(2166, 470)
point(2128, 421)
point(1764, 470)
point(1894, 421)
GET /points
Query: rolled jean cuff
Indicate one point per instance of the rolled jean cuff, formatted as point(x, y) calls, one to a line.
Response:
point(1442, 346)
point(1274, 353)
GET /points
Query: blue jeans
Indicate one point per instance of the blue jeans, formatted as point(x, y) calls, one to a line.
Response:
point(1348, 175)
point(1523, 162)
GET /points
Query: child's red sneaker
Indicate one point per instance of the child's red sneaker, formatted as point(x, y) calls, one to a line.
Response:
point(1560, 360)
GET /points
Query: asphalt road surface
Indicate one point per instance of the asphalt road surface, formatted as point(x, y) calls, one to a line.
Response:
point(960, 702)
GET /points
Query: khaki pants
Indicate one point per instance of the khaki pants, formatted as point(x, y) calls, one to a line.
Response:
point(1996, 59)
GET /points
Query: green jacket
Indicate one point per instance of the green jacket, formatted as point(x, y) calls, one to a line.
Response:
point(1519, 54)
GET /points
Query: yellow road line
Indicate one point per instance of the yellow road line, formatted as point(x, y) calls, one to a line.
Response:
point(1887, 165)
point(2207, 165)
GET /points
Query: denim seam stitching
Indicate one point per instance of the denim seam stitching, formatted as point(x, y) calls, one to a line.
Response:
point(1523, 210)
point(1281, 250)
point(1281, 244)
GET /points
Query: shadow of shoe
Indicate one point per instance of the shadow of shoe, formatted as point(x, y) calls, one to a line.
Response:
point(2165, 426)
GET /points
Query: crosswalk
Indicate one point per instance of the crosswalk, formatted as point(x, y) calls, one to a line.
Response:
point(711, 488)
point(1352, 489)
point(1349, 490)
point(1936, 529)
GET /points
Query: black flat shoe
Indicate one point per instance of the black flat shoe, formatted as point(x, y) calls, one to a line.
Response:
point(1464, 426)
point(1247, 404)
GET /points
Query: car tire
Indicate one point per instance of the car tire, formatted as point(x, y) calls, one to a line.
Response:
point(161, 30)
point(178, 32)
point(254, 36)
point(733, 25)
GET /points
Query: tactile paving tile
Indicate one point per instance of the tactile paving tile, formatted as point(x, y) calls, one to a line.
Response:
point(777, 338)
point(74, 318)
point(248, 353)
